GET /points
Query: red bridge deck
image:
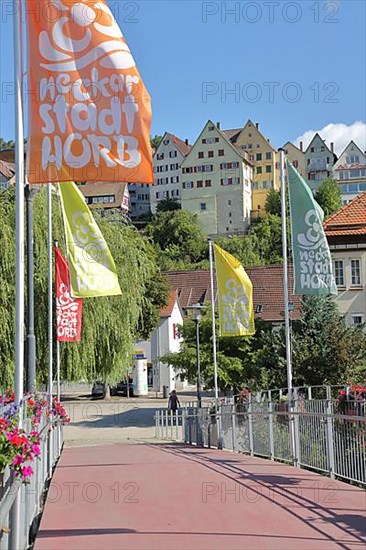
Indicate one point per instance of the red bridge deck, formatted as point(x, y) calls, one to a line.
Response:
point(163, 496)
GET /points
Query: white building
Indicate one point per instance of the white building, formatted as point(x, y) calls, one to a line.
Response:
point(346, 234)
point(165, 339)
point(167, 161)
point(350, 172)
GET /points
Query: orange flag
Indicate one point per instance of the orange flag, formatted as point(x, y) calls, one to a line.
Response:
point(89, 111)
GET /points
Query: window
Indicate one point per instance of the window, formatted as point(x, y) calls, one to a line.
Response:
point(157, 195)
point(208, 168)
point(221, 152)
point(208, 183)
point(210, 154)
point(211, 128)
point(259, 169)
point(204, 140)
point(339, 272)
point(268, 169)
point(229, 203)
point(296, 163)
point(268, 156)
point(173, 154)
point(200, 183)
point(210, 140)
point(258, 156)
point(160, 156)
point(217, 140)
point(357, 319)
point(225, 181)
point(355, 273)
point(312, 149)
point(166, 141)
point(187, 184)
point(202, 206)
point(201, 154)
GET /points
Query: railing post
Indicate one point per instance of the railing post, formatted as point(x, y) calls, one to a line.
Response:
point(294, 411)
point(184, 413)
point(330, 439)
point(233, 424)
point(270, 425)
point(166, 424)
point(250, 422)
point(171, 424)
point(156, 424)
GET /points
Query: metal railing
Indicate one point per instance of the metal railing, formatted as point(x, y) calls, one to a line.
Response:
point(15, 525)
point(326, 439)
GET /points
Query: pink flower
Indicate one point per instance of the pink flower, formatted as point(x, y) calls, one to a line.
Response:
point(26, 471)
point(18, 459)
point(35, 449)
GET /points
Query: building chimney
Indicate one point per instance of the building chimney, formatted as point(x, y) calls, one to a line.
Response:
point(301, 146)
point(218, 124)
point(257, 125)
point(332, 147)
point(186, 141)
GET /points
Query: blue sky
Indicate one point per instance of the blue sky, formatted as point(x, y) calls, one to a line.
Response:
point(293, 66)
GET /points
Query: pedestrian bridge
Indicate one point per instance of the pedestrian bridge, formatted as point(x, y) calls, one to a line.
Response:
point(132, 475)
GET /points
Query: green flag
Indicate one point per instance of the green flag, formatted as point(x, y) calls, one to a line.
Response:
point(92, 268)
point(313, 273)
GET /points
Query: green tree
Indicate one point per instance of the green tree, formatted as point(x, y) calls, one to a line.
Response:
point(325, 349)
point(178, 238)
point(168, 205)
point(245, 249)
point(267, 236)
point(110, 324)
point(155, 141)
point(6, 144)
point(273, 202)
point(329, 196)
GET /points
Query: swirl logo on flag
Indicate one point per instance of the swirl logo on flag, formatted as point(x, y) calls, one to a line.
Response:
point(65, 53)
point(90, 118)
point(68, 309)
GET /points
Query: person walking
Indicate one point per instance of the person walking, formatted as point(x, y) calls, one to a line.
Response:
point(173, 403)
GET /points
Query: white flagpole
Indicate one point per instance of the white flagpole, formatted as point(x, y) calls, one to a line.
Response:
point(285, 294)
point(58, 357)
point(19, 196)
point(50, 327)
point(214, 348)
point(19, 242)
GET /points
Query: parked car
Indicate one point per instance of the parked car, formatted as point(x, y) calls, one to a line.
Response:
point(97, 389)
point(121, 388)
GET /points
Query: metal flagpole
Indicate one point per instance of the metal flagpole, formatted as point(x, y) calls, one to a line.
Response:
point(287, 314)
point(58, 392)
point(214, 348)
point(50, 324)
point(19, 243)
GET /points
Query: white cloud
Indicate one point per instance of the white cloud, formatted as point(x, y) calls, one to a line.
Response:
point(338, 133)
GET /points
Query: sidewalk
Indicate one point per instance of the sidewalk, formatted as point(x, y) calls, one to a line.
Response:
point(170, 496)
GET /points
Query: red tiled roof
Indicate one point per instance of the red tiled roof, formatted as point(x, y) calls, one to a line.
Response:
point(232, 133)
point(180, 144)
point(194, 286)
point(350, 220)
point(7, 169)
point(168, 309)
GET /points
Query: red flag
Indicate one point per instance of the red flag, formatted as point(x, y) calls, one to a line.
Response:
point(68, 309)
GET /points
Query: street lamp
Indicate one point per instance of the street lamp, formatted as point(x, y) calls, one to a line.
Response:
point(197, 316)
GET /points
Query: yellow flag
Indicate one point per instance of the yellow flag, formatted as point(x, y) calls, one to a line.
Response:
point(235, 291)
point(92, 268)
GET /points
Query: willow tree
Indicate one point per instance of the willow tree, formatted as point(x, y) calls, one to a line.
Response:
point(110, 324)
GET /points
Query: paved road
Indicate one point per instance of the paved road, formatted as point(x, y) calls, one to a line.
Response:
point(169, 496)
point(106, 422)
